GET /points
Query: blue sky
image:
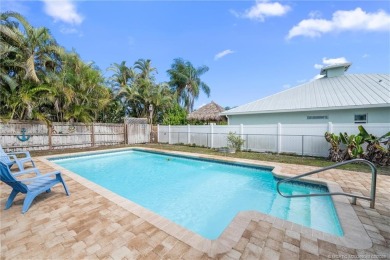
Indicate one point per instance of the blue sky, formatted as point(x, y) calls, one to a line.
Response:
point(253, 48)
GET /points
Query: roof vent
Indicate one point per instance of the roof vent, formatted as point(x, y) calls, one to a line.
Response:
point(335, 69)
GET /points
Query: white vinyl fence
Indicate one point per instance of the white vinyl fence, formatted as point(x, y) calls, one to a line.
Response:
point(302, 139)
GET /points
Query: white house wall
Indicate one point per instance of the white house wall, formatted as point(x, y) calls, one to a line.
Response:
point(374, 115)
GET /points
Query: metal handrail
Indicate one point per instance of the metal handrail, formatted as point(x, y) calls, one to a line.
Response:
point(373, 183)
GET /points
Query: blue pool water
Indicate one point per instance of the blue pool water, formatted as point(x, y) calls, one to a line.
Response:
point(203, 196)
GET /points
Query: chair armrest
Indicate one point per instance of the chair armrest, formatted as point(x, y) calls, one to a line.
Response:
point(26, 153)
point(27, 171)
point(41, 176)
point(12, 157)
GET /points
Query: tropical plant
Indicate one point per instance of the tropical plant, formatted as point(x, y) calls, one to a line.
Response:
point(142, 92)
point(40, 80)
point(113, 112)
point(353, 146)
point(145, 68)
point(334, 150)
point(175, 115)
point(29, 57)
point(32, 50)
point(185, 81)
point(122, 75)
point(235, 141)
point(378, 148)
point(79, 93)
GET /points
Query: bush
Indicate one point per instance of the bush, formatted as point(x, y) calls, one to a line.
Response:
point(235, 141)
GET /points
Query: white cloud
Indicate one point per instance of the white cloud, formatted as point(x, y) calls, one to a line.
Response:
point(235, 13)
point(330, 61)
point(315, 14)
point(286, 86)
point(352, 20)
point(63, 10)
point(366, 55)
point(310, 27)
point(222, 54)
point(263, 9)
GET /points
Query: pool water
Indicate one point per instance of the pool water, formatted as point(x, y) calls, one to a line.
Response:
point(203, 195)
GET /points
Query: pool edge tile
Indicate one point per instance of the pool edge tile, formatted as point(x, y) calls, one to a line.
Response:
point(352, 226)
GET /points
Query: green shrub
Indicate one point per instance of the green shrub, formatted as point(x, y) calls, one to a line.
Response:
point(235, 141)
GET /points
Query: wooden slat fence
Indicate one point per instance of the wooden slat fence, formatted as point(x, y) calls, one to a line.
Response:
point(66, 135)
point(137, 134)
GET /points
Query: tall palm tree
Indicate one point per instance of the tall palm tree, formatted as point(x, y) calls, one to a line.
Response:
point(145, 68)
point(185, 81)
point(161, 100)
point(39, 80)
point(113, 112)
point(33, 48)
point(28, 55)
point(89, 96)
point(122, 75)
point(77, 94)
point(144, 93)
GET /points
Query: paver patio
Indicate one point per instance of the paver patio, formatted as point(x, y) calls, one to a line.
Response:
point(88, 225)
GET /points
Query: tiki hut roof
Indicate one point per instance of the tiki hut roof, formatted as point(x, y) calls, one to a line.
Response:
point(209, 112)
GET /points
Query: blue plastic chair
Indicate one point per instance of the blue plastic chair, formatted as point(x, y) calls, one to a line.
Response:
point(32, 187)
point(11, 158)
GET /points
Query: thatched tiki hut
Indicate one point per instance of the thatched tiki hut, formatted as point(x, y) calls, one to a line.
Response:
point(207, 114)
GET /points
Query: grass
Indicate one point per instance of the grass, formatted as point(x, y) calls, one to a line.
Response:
point(270, 157)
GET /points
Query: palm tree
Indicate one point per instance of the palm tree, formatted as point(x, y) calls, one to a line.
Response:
point(145, 68)
point(185, 81)
point(33, 48)
point(28, 56)
point(122, 75)
point(77, 93)
point(113, 112)
point(89, 96)
point(39, 80)
point(8, 75)
point(144, 93)
point(161, 100)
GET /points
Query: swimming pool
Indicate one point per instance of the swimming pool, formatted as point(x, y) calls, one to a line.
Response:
point(202, 195)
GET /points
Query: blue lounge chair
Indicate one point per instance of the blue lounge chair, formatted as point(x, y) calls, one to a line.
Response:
point(11, 158)
point(32, 187)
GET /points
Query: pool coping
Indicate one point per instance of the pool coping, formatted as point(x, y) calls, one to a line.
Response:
point(355, 236)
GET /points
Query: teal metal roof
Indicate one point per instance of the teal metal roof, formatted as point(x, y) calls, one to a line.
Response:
point(341, 92)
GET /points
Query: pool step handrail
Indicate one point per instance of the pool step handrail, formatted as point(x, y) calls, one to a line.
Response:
point(354, 196)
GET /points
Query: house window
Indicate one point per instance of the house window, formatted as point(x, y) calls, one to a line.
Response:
point(361, 119)
point(317, 117)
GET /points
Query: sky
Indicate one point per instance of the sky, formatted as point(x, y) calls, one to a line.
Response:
point(253, 48)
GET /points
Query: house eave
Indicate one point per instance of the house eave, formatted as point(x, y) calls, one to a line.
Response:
point(305, 109)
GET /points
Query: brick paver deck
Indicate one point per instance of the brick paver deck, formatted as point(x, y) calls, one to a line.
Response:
point(91, 226)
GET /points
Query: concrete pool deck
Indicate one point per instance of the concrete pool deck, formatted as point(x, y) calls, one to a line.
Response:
point(95, 223)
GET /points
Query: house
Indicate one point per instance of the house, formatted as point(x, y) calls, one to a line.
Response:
point(336, 97)
point(210, 113)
